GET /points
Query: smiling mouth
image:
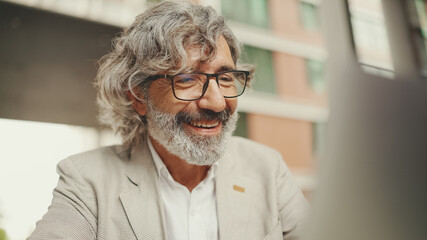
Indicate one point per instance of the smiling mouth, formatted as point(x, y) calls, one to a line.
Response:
point(204, 125)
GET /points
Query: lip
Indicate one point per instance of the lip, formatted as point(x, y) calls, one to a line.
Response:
point(206, 131)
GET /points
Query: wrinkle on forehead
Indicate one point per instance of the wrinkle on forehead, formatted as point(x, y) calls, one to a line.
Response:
point(198, 58)
point(194, 57)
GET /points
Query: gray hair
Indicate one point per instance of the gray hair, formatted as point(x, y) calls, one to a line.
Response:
point(156, 42)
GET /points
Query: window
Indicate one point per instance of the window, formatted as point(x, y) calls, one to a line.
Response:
point(264, 74)
point(242, 126)
point(370, 37)
point(309, 16)
point(418, 20)
point(319, 138)
point(252, 12)
point(315, 75)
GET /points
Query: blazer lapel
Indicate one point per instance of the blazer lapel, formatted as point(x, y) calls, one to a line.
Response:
point(233, 200)
point(142, 204)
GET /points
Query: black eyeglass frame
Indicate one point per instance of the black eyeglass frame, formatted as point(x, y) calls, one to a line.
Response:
point(205, 86)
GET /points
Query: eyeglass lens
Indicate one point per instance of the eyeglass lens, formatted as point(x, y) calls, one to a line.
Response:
point(190, 86)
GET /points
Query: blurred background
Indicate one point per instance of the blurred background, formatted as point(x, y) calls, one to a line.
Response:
point(48, 60)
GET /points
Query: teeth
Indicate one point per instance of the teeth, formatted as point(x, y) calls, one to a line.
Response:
point(204, 125)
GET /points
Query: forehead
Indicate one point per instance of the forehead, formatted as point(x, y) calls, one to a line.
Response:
point(196, 59)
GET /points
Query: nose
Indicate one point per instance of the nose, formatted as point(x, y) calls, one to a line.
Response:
point(213, 98)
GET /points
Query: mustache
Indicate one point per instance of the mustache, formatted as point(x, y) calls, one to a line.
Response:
point(203, 115)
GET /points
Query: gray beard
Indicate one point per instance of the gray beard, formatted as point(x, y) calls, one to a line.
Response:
point(194, 149)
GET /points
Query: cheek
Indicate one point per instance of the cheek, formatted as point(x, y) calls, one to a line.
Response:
point(162, 97)
point(160, 88)
point(231, 104)
point(160, 91)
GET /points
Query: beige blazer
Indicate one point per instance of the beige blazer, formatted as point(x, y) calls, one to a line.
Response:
point(112, 193)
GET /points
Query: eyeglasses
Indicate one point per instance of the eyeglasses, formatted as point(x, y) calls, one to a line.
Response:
point(192, 86)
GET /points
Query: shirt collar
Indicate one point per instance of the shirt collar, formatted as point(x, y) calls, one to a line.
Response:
point(163, 171)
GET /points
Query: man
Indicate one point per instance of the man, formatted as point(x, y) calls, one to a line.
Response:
point(170, 89)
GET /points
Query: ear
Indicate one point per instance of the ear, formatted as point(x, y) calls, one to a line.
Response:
point(137, 104)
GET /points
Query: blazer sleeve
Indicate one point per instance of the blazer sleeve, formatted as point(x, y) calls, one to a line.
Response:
point(71, 213)
point(293, 206)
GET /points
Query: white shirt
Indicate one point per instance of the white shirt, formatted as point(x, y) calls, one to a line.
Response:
point(188, 215)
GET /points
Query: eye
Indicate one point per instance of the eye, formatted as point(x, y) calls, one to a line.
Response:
point(185, 78)
point(225, 78)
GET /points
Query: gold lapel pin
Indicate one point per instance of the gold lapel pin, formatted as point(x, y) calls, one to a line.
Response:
point(238, 188)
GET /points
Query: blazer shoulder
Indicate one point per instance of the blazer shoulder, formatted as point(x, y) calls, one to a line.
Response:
point(103, 160)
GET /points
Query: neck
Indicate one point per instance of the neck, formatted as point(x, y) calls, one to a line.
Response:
point(186, 174)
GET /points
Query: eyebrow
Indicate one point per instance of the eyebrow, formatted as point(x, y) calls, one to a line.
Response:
point(226, 68)
point(223, 68)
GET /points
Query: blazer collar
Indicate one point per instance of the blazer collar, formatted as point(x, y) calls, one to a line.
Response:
point(233, 198)
point(142, 203)
point(145, 211)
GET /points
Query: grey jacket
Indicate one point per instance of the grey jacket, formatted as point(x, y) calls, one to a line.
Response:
point(111, 193)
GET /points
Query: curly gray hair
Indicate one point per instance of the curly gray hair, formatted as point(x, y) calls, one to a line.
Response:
point(156, 42)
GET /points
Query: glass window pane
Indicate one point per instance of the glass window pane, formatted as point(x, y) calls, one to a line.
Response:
point(370, 36)
point(319, 138)
point(253, 12)
point(417, 14)
point(315, 75)
point(309, 16)
point(264, 74)
point(242, 126)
